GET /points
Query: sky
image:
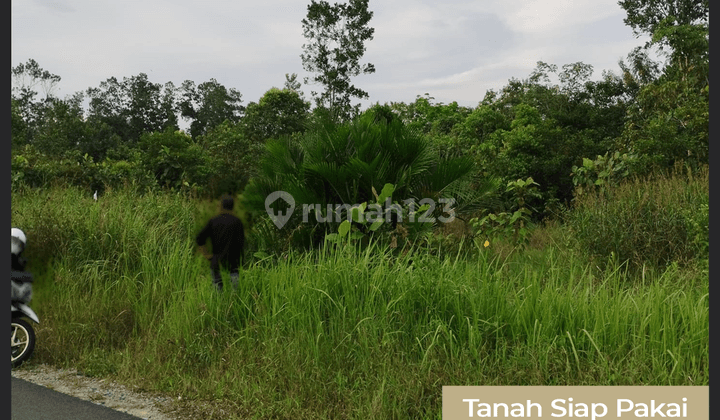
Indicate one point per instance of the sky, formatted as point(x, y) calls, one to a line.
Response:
point(452, 50)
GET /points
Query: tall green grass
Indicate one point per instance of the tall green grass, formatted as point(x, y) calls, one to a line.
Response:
point(657, 221)
point(343, 332)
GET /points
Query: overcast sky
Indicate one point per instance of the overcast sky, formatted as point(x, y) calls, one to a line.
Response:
point(453, 50)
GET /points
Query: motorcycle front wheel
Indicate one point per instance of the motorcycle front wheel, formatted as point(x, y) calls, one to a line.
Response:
point(22, 341)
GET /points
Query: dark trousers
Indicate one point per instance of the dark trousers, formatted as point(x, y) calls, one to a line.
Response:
point(218, 281)
point(217, 266)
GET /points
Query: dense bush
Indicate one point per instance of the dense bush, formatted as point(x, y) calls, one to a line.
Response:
point(231, 158)
point(344, 164)
point(654, 221)
point(31, 168)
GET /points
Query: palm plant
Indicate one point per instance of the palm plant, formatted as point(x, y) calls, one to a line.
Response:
point(342, 164)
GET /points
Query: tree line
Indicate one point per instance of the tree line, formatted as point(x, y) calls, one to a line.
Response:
point(130, 127)
point(556, 125)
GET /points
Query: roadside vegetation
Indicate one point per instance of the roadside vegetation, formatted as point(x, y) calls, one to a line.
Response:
point(353, 330)
point(564, 240)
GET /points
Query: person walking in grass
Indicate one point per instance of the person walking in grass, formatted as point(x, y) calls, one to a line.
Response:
point(227, 236)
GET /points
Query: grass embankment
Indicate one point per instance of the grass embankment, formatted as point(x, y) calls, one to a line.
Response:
point(342, 333)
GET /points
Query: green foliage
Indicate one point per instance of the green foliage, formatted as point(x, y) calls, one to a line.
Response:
point(372, 333)
point(598, 174)
point(670, 121)
point(63, 128)
point(18, 126)
point(532, 147)
point(384, 220)
point(112, 231)
point(548, 126)
point(133, 106)
point(232, 158)
point(483, 121)
point(651, 222)
point(28, 111)
point(174, 158)
point(30, 168)
point(209, 105)
point(127, 295)
point(100, 142)
point(113, 174)
point(541, 129)
point(644, 16)
point(514, 224)
point(431, 118)
point(336, 36)
point(33, 169)
point(344, 164)
point(277, 113)
point(698, 225)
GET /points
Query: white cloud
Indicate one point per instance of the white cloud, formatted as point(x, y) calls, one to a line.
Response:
point(454, 47)
point(543, 16)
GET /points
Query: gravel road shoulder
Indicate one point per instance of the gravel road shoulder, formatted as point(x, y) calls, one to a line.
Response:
point(105, 392)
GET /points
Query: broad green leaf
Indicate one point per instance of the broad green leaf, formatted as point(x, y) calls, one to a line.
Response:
point(386, 192)
point(344, 228)
point(357, 213)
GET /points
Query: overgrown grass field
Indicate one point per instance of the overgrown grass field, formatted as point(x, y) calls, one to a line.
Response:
point(345, 332)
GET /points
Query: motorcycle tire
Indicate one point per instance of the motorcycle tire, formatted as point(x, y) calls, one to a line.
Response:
point(22, 341)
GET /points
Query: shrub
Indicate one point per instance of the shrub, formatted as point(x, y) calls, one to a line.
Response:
point(345, 164)
point(514, 223)
point(174, 158)
point(653, 221)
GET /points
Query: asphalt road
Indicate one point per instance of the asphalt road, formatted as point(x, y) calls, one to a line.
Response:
point(30, 401)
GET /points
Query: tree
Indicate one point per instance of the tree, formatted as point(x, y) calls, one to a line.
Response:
point(336, 37)
point(108, 106)
point(533, 146)
point(18, 126)
point(542, 126)
point(670, 120)
point(209, 105)
point(277, 113)
point(133, 107)
point(232, 158)
point(63, 128)
point(292, 83)
point(27, 110)
point(644, 16)
point(174, 158)
point(150, 108)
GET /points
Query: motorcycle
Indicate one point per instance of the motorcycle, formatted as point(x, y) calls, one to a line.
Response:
point(22, 334)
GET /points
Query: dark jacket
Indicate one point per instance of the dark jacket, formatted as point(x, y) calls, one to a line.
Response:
point(227, 235)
